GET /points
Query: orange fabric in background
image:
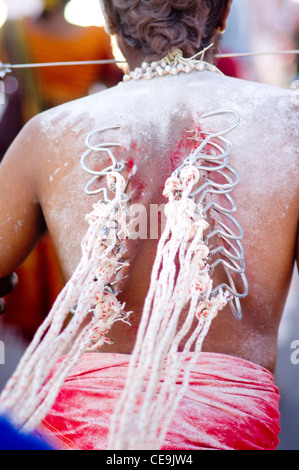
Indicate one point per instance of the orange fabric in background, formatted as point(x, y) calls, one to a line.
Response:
point(61, 84)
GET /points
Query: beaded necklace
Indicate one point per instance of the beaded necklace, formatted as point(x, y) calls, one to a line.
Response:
point(172, 64)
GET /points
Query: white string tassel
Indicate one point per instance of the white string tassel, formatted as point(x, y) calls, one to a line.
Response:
point(150, 397)
point(31, 391)
point(180, 292)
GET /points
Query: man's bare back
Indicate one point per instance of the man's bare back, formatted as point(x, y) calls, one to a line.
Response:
point(42, 185)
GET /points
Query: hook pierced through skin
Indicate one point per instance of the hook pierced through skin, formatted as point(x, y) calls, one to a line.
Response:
point(214, 168)
point(231, 259)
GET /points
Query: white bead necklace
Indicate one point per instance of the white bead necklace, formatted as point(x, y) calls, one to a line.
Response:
point(172, 64)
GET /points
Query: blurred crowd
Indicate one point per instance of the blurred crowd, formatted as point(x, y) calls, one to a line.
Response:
point(264, 26)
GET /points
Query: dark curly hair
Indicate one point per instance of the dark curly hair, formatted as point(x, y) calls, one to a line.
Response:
point(157, 26)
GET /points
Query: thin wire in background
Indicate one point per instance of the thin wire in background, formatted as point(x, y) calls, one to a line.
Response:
point(6, 68)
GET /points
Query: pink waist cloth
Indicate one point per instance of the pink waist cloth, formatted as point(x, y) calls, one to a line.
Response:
point(231, 404)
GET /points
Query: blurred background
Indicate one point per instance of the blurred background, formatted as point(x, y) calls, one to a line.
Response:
point(38, 31)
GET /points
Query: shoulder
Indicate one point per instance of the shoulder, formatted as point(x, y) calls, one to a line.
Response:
point(78, 112)
point(63, 125)
point(277, 102)
point(267, 111)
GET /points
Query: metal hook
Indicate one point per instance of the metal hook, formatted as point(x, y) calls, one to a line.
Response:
point(209, 165)
point(101, 147)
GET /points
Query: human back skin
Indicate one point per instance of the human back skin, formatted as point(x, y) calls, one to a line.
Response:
point(42, 187)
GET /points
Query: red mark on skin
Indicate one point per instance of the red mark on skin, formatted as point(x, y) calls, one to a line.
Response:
point(139, 185)
point(186, 145)
point(130, 164)
point(139, 188)
point(179, 153)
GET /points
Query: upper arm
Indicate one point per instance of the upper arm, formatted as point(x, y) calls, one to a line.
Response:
point(290, 122)
point(294, 136)
point(21, 219)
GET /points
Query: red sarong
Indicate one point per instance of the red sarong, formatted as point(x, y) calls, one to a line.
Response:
point(231, 404)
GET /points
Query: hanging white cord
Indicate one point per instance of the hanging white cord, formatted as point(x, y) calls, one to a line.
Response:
point(180, 281)
point(32, 390)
